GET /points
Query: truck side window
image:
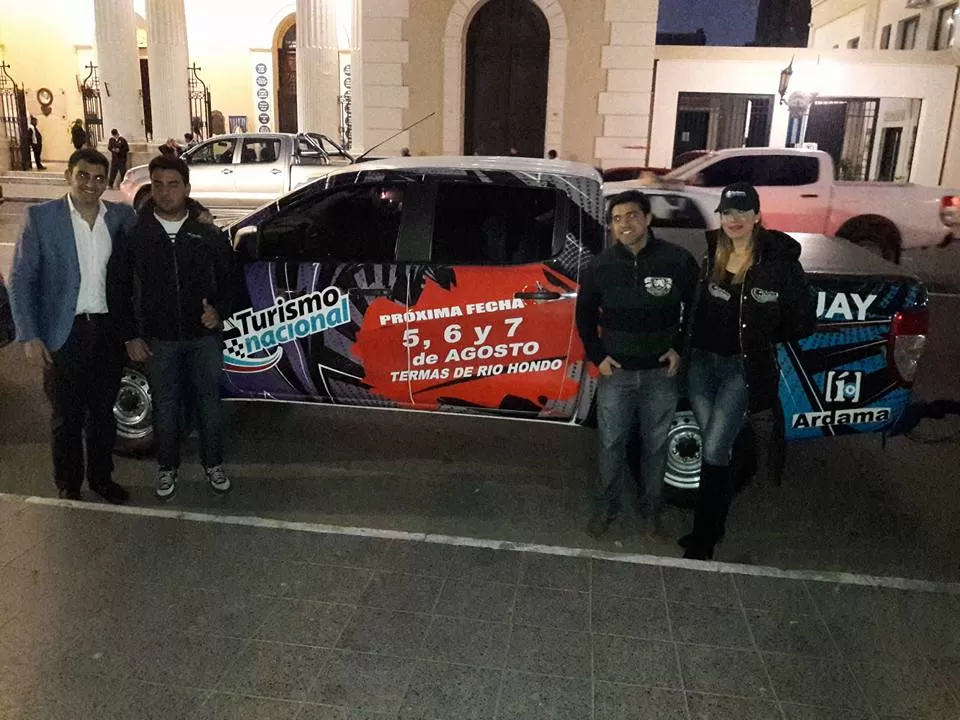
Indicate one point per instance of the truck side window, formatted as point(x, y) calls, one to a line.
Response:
point(730, 170)
point(786, 170)
point(493, 225)
point(214, 152)
point(356, 224)
point(676, 211)
point(260, 150)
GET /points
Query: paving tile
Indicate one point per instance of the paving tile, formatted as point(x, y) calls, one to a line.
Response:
point(813, 681)
point(133, 700)
point(913, 690)
point(223, 570)
point(563, 609)
point(104, 649)
point(539, 697)
point(775, 594)
point(721, 671)
point(320, 582)
point(699, 587)
point(398, 591)
point(194, 660)
point(320, 548)
point(468, 642)
point(204, 611)
point(486, 565)
point(304, 622)
point(621, 578)
point(71, 697)
point(837, 601)
point(873, 640)
point(327, 712)
point(635, 661)
point(709, 625)
point(629, 616)
point(479, 601)
point(438, 691)
point(358, 681)
point(550, 652)
point(224, 706)
point(949, 671)
point(715, 707)
point(274, 670)
point(418, 558)
point(628, 702)
point(387, 632)
point(787, 632)
point(556, 571)
point(793, 711)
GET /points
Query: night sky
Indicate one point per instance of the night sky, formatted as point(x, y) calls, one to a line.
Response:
point(726, 22)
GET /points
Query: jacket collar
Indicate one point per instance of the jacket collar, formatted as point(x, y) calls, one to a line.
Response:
point(624, 254)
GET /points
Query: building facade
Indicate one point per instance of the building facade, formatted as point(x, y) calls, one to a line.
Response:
point(884, 24)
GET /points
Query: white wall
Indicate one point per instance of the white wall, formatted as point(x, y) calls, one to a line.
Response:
point(840, 31)
point(757, 70)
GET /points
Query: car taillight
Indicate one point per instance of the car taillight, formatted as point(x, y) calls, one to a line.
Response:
point(908, 337)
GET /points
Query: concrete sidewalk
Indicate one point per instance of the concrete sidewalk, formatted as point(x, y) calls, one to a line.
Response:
point(149, 613)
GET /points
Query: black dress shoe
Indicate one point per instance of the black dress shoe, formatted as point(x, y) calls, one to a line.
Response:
point(698, 552)
point(70, 494)
point(111, 492)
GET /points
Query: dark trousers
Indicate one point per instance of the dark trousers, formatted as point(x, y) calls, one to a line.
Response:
point(82, 386)
point(178, 367)
point(37, 150)
point(118, 167)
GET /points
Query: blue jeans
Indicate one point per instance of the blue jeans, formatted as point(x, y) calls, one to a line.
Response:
point(718, 396)
point(179, 366)
point(625, 400)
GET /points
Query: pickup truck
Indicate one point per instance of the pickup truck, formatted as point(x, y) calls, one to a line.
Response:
point(798, 193)
point(246, 170)
point(449, 285)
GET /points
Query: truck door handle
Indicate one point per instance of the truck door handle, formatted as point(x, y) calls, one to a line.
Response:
point(538, 295)
point(369, 292)
point(227, 171)
point(276, 171)
point(810, 195)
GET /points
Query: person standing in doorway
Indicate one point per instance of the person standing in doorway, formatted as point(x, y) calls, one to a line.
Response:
point(187, 283)
point(77, 134)
point(119, 150)
point(630, 313)
point(58, 295)
point(36, 143)
point(752, 294)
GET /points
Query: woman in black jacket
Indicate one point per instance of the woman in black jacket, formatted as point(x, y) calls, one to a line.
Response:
point(752, 294)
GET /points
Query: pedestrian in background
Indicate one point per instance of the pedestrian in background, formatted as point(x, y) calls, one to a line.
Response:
point(119, 150)
point(77, 134)
point(630, 312)
point(36, 143)
point(187, 283)
point(752, 294)
point(58, 295)
point(189, 141)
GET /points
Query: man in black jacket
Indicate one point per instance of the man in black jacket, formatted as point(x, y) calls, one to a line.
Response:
point(119, 150)
point(630, 312)
point(187, 282)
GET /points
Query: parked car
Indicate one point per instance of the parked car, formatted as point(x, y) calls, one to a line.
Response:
point(247, 169)
point(449, 285)
point(798, 193)
point(7, 330)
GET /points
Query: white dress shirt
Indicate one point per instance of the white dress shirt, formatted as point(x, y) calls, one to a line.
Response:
point(93, 251)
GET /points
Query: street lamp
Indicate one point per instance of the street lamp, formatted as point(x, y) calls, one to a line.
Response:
point(785, 76)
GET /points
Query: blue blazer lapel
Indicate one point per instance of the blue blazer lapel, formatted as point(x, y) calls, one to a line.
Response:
point(66, 238)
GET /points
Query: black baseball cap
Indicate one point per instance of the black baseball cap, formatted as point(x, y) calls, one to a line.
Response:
point(739, 196)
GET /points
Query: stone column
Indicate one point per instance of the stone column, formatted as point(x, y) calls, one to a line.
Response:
point(871, 18)
point(119, 68)
point(168, 61)
point(356, 77)
point(318, 67)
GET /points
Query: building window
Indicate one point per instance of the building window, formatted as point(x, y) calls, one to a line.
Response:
point(945, 27)
point(885, 38)
point(907, 33)
point(853, 44)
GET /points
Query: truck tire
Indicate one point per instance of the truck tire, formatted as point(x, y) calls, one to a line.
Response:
point(143, 194)
point(875, 233)
point(684, 445)
point(133, 411)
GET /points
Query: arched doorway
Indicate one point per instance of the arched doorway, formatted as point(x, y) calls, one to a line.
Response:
point(287, 81)
point(508, 48)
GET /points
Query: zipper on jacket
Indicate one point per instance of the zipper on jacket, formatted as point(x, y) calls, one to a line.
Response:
point(636, 270)
point(740, 326)
point(176, 278)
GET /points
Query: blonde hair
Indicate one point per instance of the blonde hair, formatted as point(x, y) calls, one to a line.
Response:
point(721, 256)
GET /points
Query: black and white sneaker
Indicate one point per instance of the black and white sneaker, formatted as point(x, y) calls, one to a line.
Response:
point(167, 484)
point(218, 479)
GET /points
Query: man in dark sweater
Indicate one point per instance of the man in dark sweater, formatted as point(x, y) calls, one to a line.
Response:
point(630, 315)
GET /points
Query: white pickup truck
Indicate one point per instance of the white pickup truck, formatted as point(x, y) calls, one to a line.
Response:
point(246, 170)
point(798, 193)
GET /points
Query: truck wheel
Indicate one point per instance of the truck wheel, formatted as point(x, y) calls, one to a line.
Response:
point(133, 411)
point(143, 194)
point(684, 446)
point(874, 233)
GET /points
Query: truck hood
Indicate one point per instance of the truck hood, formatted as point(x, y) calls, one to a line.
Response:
point(138, 174)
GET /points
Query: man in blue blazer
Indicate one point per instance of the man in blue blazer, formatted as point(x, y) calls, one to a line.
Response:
point(59, 303)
